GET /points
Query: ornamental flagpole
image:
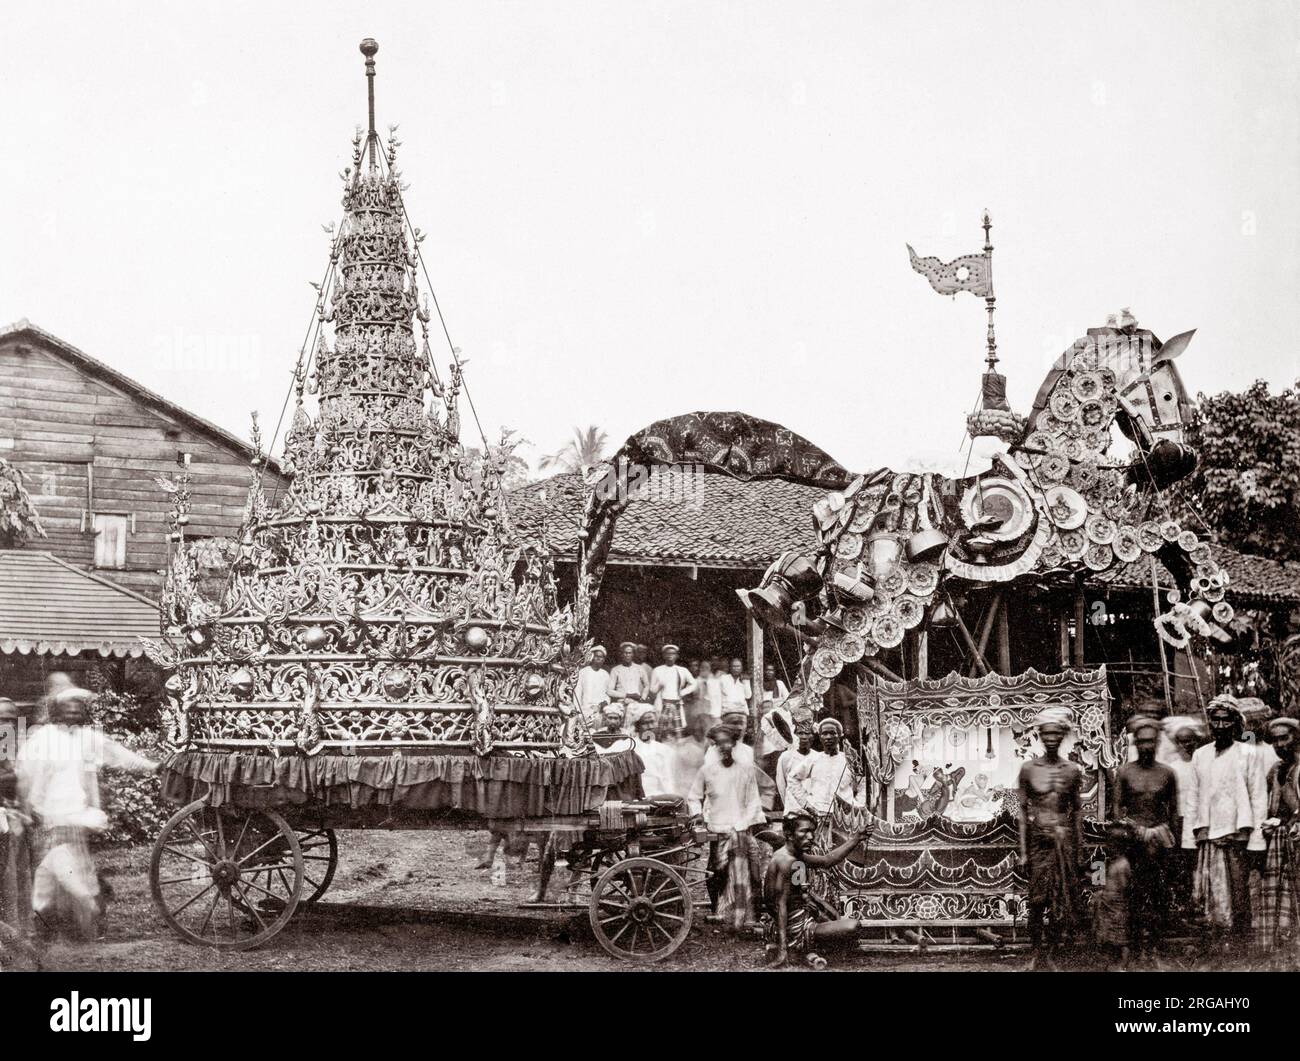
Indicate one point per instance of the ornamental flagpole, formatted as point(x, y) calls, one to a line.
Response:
point(989, 299)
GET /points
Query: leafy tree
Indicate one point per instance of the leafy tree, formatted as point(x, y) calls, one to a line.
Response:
point(18, 517)
point(580, 454)
point(1247, 486)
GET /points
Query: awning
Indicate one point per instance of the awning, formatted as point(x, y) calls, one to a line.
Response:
point(49, 607)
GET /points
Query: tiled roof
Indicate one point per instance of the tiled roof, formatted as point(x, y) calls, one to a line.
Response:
point(48, 606)
point(714, 520)
point(1251, 578)
point(733, 523)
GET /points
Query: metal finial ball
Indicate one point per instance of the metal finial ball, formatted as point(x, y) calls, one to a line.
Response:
point(369, 47)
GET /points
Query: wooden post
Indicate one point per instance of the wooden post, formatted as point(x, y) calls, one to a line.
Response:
point(1160, 644)
point(980, 662)
point(986, 629)
point(1004, 639)
point(755, 652)
point(923, 653)
point(1080, 619)
point(1063, 631)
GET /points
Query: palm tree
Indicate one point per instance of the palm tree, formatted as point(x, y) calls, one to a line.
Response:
point(580, 454)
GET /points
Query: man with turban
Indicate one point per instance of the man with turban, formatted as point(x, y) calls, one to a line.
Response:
point(58, 777)
point(1146, 797)
point(815, 781)
point(1230, 800)
point(1051, 837)
point(726, 794)
point(1277, 916)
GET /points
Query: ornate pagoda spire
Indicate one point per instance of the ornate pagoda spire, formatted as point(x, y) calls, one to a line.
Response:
point(381, 602)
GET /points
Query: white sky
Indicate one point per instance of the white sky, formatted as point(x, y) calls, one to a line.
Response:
point(637, 210)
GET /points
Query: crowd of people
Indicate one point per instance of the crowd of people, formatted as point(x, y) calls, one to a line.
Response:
point(691, 725)
point(1210, 837)
point(49, 809)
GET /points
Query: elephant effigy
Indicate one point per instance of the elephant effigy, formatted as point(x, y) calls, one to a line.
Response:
point(1043, 493)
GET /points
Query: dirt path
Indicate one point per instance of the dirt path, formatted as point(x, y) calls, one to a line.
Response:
point(411, 901)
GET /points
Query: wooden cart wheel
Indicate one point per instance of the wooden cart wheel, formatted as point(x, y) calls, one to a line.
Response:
point(320, 858)
point(641, 910)
point(227, 877)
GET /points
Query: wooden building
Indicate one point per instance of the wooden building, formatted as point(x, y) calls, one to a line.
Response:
point(675, 565)
point(92, 442)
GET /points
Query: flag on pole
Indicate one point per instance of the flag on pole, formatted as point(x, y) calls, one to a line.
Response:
point(969, 273)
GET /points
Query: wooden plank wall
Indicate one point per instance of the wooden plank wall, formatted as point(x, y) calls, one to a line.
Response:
point(89, 447)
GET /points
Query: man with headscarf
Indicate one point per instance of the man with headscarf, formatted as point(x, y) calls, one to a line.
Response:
point(790, 758)
point(593, 686)
point(1051, 837)
point(1277, 914)
point(1230, 802)
point(726, 794)
point(816, 781)
point(58, 777)
point(1146, 797)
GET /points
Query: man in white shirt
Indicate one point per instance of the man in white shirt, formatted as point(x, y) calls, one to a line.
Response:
point(816, 780)
point(627, 681)
point(726, 793)
point(711, 674)
point(58, 778)
point(735, 687)
point(593, 686)
point(1229, 805)
point(790, 758)
point(670, 685)
point(657, 779)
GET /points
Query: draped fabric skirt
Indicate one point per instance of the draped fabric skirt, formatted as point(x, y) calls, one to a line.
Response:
point(1222, 888)
point(1274, 909)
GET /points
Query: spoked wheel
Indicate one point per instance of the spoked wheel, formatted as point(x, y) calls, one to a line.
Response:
point(320, 858)
point(226, 877)
point(641, 910)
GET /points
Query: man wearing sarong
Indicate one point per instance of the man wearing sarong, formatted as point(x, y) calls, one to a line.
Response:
point(1146, 797)
point(1277, 915)
point(628, 683)
point(593, 686)
point(670, 685)
point(1231, 801)
point(1181, 863)
point(15, 850)
point(1051, 838)
point(725, 792)
point(792, 918)
point(58, 778)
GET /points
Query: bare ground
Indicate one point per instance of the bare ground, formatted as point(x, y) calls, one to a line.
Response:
point(415, 901)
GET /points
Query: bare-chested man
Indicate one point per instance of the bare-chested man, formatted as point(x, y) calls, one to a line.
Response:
point(1146, 796)
point(790, 918)
point(1051, 836)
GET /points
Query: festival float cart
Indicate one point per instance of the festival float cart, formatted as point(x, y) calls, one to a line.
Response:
point(386, 650)
point(1045, 495)
point(942, 866)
